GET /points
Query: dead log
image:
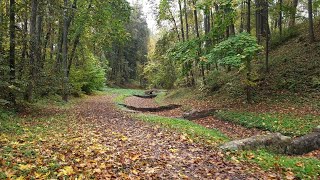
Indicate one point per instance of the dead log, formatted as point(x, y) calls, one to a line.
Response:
point(149, 96)
point(278, 143)
point(274, 141)
point(153, 109)
point(305, 144)
point(193, 115)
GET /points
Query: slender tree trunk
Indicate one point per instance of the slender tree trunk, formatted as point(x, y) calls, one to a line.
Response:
point(175, 25)
point(181, 20)
point(232, 30)
point(310, 13)
point(76, 42)
point(195, 13)
point(258, 20)
point(186, 19)
point(241, 17)
point(249, 16)
point(187, 38)
point(12, 48)
point(1, 34)
point(39, 31)
point(293, 13)
point(33, 49)
point(280, 18)
point(267, 32)
point(24, 46)
point(65, 53)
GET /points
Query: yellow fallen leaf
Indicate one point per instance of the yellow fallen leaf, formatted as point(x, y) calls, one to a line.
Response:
point(250, 156)
point(173, 150)
point(37, 175)
point(62, 157)
point(26, 167)
point(80, 177)
point(135, 172)
point(135, 157)
point(299, 164)
point(66, 171)
point(97, 170)
point(290, 175)
point(9, 173)
point(20, 178)
point(124, 138)
point(102, 166)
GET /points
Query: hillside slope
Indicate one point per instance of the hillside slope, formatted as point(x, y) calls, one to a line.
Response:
point(292, 86)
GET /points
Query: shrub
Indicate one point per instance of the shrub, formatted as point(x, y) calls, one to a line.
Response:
point(88, 77)
point(216, 80)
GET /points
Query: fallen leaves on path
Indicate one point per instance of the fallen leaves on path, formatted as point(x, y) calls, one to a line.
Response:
point(96, 141)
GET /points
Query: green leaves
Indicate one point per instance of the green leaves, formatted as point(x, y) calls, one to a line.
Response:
point(234, 51)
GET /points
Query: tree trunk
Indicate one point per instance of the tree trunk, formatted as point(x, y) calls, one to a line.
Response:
point(232, 30)
point(12, 48)
point(241, 17)
point(181, 21)
point(310, 13)
point(258, 20)
point(186, 19)
point(24, 47)
point(76, 42)
point(280, 18)
point(267, 32)
point(33, 49)
point(292, 20)
point(175, 25)
point(249, 17)
point(195, 13)
point(65, 53)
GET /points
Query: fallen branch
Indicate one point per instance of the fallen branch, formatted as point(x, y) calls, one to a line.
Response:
point(155, 109)
point(149, 96)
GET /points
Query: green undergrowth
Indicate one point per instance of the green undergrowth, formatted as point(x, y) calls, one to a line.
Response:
point(12, 124)
point(275, 122)
point(194, 131)
point(299, 167)
point(160, 99)
point(121, 94)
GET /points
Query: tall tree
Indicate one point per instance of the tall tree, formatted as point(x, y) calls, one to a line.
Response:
point(181, 20)
point(33, 50)
point(293, 12)
point(65, 52)
point(310, 14)
point(186, 19)
point(280, 16)
point(12, 46)
point(249, 16)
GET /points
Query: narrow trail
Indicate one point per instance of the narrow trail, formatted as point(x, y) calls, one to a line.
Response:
point(146, 151)
point(232, 130)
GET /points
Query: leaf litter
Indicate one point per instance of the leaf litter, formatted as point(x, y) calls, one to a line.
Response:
point(95, 140)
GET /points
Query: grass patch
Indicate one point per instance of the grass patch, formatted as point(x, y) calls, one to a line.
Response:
point(301, 167)
point(121, 94)
point(160, 98)
point(283, 123)
point(193, 130)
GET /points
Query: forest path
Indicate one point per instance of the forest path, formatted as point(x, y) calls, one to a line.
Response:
point(232, 130)
point(142, 150)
